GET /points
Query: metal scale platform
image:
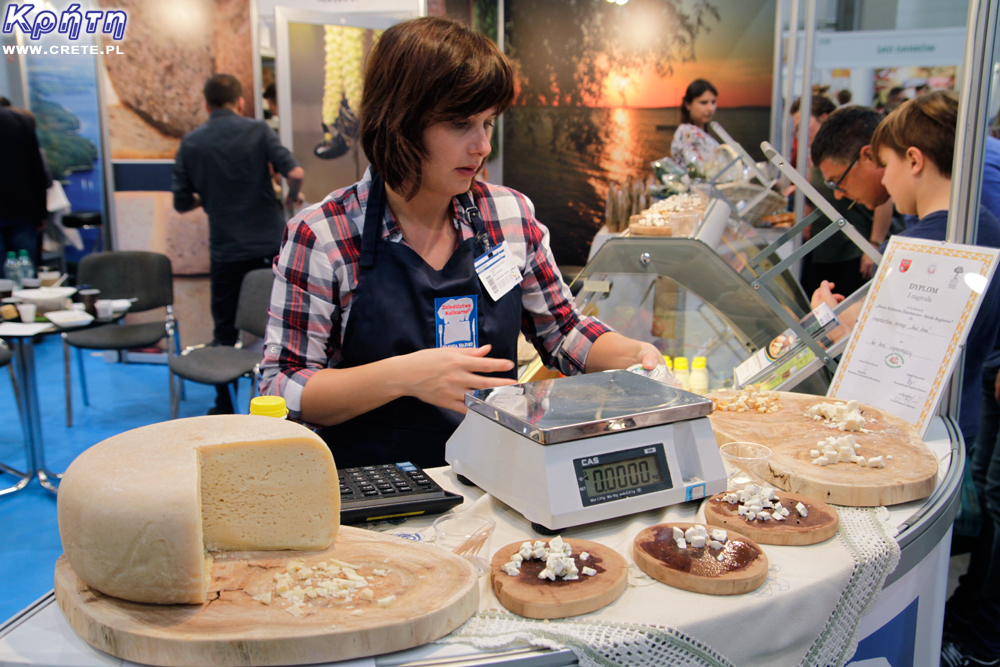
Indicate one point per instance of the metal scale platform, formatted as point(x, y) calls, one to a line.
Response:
point(585, 448)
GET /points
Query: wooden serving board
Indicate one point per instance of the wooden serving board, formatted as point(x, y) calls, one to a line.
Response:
point(820, 524)
point(696, 569)
point(436, 591)
point(910, 475)
point(651, 230)
point(529, 596)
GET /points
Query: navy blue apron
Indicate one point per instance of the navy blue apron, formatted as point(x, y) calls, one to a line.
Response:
point(392, 313)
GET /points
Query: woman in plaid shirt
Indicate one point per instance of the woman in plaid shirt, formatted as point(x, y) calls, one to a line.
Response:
point(395, 296)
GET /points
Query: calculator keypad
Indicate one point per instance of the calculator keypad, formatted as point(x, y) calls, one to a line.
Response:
point(387, 480)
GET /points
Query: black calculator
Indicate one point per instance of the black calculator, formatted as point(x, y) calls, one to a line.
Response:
point(372, 493)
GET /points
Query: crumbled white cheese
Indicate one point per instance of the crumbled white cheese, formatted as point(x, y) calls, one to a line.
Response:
point(801, 509)
point(589, 571)
point(843, 416)
point(386, 601)
point(876, 462)
point(558, 557)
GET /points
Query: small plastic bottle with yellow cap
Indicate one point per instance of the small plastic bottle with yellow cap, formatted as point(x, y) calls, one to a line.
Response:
point(269, 406)
point(699, 375)
point(681, 372)
point(669, 362)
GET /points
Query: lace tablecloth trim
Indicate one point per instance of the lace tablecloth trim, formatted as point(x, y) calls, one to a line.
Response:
point(869, 538)
point(595, 643)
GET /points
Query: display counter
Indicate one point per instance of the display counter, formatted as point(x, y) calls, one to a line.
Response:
point(689, 299)
point(881, 580)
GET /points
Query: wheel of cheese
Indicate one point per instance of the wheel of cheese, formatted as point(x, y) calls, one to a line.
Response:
point(140, 512)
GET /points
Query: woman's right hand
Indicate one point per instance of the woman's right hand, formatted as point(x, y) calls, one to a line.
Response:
point(442, 376)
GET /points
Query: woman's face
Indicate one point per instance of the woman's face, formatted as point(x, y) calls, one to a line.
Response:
point(702, 108)
point(456, 151)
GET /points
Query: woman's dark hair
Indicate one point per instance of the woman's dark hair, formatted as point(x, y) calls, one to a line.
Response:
point(697, 88)
point(422, 72)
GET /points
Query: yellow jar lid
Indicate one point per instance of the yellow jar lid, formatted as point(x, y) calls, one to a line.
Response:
point(681, 363)
point(269, 406)
point(699, 362)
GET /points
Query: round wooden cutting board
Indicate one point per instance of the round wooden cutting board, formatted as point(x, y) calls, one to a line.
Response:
point(697, 569)
point(529, 596)
point(820, 524)
point(910, 475)
point(436, 591)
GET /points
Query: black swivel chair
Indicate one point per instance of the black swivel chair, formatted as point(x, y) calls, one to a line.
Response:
point(146, 277)
point(223, 365)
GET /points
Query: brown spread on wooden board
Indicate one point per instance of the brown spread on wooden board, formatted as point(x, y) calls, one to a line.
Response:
point(702, 561)
point(531, 568)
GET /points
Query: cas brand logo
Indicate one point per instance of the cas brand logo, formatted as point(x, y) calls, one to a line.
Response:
point(70, 22)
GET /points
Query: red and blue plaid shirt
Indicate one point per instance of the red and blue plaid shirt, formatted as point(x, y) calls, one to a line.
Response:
point(316, 275)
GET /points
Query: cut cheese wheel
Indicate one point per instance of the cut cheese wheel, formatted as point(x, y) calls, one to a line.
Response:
point(139, 512)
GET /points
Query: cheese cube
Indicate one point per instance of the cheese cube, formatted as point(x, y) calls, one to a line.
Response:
point(876, 462)
point(589, 571)
point(719, 534)
point(678, 533)
point(801, 509)
point(698, 541)
point(511, 568)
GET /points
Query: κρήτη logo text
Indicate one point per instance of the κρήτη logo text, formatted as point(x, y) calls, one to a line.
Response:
point(70, 22)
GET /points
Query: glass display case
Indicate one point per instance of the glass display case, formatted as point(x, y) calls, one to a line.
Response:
point(689, 299)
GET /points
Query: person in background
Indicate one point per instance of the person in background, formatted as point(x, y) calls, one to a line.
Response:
point(914, 149)
point(380, 322)
point(223, 166)
point(896, 96)
point(23, 178)
point(837, 259)
point(4, 102)
point(692, 145)
point(271, 116)
point(844, 97)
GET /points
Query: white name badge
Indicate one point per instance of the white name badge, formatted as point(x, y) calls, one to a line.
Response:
point(497, 271)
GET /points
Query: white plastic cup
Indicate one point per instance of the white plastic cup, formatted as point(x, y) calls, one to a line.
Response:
point(468, 535)
point(104, 308)
point(745, 463)
point(27, 312)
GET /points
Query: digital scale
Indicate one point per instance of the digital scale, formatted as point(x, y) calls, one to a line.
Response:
point(585, 448)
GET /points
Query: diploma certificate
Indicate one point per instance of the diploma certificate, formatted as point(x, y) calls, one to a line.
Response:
point(922, 303)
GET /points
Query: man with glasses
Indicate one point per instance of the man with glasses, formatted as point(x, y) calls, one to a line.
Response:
point(837, 259)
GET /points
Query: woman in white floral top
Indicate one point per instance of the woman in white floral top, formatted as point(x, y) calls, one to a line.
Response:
point(692, 144)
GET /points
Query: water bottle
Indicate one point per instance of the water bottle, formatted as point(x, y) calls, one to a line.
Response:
point(11, 270)
point(25, 266)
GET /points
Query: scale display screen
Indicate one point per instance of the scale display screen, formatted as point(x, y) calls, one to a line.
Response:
point(623, 474)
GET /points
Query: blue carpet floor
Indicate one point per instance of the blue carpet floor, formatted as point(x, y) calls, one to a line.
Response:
point(122, 397)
